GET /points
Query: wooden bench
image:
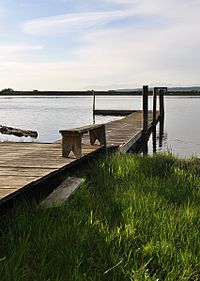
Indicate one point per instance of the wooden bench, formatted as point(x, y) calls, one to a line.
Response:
point(72, 138)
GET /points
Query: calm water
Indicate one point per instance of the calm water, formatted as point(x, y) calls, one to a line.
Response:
point(48, 115)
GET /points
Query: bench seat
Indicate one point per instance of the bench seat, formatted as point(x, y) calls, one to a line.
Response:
point(72, 138)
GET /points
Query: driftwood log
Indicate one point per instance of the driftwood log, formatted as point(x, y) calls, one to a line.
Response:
point(18, 132)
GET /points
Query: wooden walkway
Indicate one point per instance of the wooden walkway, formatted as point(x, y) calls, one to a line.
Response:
point(23, 164)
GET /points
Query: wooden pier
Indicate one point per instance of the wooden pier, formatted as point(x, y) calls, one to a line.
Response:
point(28, 166)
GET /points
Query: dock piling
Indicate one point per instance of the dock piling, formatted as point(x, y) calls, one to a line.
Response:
point(145, 108)
point(162, 113)
point(155, 92)
point(161, 95)
point(161, 126)
point(154, 142)
point(94, 105)
point(145, 120)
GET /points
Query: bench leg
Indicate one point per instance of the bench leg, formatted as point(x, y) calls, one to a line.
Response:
point(71, 143)
point(98, 134)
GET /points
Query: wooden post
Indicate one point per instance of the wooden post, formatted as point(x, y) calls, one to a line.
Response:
point(155, 90)
point(161, 130)
point(154, 139)
point(94, 101)
point(145, 120)
point(161, 103)
point(145, 109)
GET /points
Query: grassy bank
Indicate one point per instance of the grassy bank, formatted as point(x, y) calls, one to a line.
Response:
point(135, 218)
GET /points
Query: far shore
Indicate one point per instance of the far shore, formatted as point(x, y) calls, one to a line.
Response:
point(97, 93)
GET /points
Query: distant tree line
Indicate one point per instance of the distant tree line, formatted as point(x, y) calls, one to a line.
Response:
point(7, 91)
point(171, 92)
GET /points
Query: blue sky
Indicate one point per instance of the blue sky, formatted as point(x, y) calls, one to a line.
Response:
point(98, 44)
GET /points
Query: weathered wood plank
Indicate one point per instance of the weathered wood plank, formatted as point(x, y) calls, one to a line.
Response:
point(24, 163)
point(62, 193)
point(12, 181)
point(25, 172)
point(113, 112)
point(5, 191)
point(126, 146)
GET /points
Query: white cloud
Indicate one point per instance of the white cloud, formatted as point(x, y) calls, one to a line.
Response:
point(10, 52)
point(70, 23)
point(19, 47)
point(166, 52)
point(124, 2)
point(123, 61)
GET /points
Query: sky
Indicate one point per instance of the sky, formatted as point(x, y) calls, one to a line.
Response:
point(99, 44)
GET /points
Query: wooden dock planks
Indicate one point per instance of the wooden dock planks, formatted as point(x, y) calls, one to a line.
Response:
point(25, 163)
point(120, 132)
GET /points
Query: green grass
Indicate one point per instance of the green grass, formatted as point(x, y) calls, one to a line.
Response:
point(135, 218)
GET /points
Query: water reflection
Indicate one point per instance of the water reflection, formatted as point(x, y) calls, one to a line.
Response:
point(145, 144)
point(154, 146)
point(158, 139)
point(161, 131)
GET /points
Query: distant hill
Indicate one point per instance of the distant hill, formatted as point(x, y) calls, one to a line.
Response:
point(188, 89)
point(173, 89)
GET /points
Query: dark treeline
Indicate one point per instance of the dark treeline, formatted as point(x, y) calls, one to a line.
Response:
point(10, 92)
point(69, 93)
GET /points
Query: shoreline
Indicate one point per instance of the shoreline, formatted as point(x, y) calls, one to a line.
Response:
point(97, 93)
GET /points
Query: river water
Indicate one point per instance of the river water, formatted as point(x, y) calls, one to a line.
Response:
point(48, 115)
